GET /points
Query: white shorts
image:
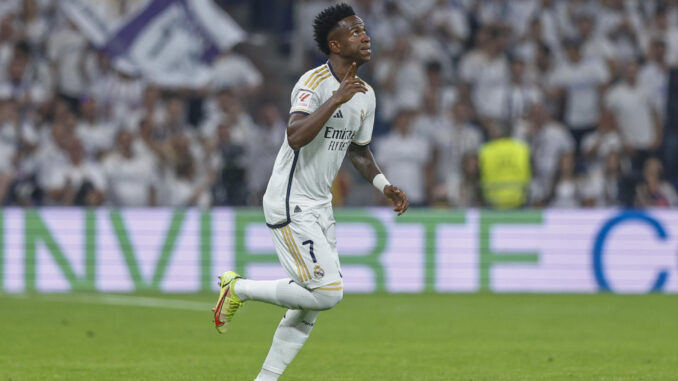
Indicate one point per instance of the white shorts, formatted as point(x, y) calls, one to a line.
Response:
point(307, 249)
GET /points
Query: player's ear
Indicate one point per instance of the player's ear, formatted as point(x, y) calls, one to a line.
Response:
point(334, 45)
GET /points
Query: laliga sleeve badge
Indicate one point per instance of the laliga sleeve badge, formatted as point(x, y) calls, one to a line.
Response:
point(303, 99)
point(318, 272)
point(362, 115)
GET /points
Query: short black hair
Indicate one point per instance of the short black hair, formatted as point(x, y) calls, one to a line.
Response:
point(327, 20)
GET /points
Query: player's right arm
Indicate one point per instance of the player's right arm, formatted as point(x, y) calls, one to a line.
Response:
point(302, 128)
point(363, 160)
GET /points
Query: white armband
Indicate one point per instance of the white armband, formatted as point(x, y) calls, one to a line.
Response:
point(380, 182)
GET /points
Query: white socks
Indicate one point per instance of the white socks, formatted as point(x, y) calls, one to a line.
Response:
point(296, 325)
point(266, 375)
point(287, 293)
point(294, 329)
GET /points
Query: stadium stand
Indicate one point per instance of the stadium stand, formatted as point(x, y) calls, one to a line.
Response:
point(586, 85)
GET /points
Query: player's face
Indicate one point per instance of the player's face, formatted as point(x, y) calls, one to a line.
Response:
point(353, 40)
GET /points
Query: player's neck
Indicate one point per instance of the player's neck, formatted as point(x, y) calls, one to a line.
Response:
point(340, 66)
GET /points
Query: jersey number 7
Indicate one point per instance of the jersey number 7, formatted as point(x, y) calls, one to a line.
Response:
point(310, 243)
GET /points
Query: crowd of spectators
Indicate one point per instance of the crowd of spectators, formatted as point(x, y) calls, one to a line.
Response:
point(495, 103)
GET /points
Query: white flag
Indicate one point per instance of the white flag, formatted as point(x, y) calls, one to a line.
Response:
point(168, 42)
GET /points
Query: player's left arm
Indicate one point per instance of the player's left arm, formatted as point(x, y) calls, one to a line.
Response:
point(363, 160)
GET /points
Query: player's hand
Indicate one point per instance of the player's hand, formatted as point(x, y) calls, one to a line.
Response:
point(350, 85)
point(397, 198)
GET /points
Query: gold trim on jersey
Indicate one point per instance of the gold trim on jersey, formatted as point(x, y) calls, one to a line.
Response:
point(296, 262)
point(335, 286)
point(319, 80)
point(367, 84)
point(361, 143)
point(304, 274)
point(317, 73)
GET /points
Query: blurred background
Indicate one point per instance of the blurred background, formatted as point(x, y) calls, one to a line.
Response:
point(537, 141)
point(564, 113)
point(492, 103)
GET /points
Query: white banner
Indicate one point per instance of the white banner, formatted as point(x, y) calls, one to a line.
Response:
point(169, 42)
point(576, 251)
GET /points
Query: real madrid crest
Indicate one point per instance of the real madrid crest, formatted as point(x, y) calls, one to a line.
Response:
point(318, 272)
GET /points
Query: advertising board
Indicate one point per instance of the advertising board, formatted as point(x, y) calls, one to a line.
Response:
point(425, 250)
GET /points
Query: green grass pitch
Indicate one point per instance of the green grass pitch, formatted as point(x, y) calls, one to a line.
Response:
point(366, 337)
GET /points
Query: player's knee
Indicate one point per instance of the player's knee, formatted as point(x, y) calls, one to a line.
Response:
point(330, 298)
point(334, 298)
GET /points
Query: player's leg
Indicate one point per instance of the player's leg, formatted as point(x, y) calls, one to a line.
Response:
point(287, 293)
point(309, 257)
point(282, 292)
point(289, 338)
point(318, 250)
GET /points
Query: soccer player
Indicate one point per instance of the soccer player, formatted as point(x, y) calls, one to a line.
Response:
point(332, 114)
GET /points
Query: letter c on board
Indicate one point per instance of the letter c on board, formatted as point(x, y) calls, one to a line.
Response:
point(599, 246)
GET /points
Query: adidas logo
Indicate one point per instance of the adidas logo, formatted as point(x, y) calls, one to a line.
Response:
point(297, 209)
point(338, 114)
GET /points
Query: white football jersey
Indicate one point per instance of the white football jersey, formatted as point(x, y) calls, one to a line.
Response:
point(302, 179)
